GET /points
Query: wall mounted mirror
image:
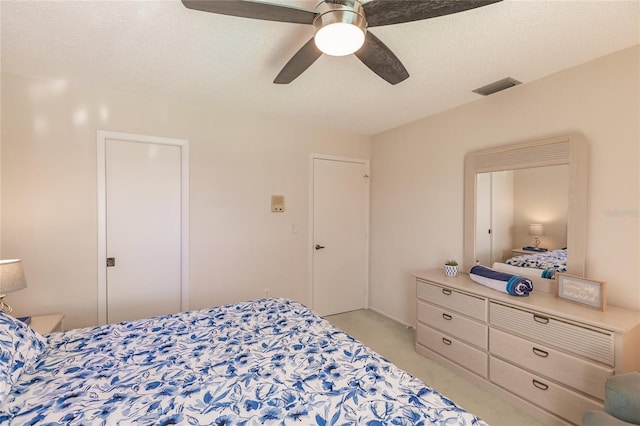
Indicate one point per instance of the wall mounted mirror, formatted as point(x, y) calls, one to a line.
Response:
point(513, 192)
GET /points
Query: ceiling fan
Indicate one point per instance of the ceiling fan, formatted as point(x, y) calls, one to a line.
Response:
point(341, 28)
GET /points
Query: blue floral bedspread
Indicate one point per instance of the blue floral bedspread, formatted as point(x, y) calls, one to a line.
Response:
point(270, 362)
point(555, 260)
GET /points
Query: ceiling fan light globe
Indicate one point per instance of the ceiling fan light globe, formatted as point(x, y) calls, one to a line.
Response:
point(339, 39)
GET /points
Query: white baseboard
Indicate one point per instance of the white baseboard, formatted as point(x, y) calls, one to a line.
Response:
point(392, 317)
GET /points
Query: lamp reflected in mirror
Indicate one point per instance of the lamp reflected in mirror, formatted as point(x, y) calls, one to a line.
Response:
point(536, 230)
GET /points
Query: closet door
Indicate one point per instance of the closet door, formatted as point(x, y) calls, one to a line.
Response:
point(143, 229)
point(483, 219)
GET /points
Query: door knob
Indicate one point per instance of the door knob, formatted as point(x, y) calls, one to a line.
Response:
point(318, 247)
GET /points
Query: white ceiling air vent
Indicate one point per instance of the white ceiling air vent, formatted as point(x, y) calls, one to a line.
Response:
point(497, 86)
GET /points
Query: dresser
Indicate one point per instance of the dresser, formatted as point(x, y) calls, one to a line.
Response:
point(548, 356)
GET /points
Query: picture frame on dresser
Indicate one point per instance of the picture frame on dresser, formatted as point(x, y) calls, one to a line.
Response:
point(582, 290)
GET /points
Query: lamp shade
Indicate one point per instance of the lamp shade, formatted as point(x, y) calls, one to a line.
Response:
point(536, 229)
point(11, 276)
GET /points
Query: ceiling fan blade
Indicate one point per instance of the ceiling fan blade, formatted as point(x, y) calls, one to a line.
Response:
point(253, 9)
point(389, 12)
point(298, 64)
point(381, 60)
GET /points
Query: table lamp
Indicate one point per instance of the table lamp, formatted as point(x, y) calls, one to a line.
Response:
point(536, 229)
point(11, 279)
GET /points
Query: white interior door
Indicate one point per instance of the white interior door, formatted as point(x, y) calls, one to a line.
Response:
point(502, 215)
point(340, 235)
point(483, 219)
point(143, 205)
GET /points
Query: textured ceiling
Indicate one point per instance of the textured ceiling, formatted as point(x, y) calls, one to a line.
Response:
point(162, 48)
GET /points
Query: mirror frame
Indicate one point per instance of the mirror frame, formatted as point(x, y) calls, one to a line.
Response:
point(571, 150)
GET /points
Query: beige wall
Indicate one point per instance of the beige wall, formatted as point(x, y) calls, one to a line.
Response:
point(417, 176)
point(238, 247)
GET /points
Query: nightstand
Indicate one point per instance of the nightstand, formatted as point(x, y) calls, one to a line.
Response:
point(45, 324)
point(521, 251)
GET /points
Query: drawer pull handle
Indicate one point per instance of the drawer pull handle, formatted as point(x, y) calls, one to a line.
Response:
point(446, 291)
point(446, 341)
point(540, 385)
point(540, 319)
point(447, 317)
point(540, 352)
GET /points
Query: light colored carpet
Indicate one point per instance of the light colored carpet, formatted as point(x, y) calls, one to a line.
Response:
point(396, 342)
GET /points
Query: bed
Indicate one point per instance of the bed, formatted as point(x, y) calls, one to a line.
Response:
point(270, 361)
point(543, 264)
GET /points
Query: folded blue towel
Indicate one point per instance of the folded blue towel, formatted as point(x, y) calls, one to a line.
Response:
point(514, 285)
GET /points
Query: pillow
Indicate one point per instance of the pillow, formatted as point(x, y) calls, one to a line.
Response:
point(20, 346)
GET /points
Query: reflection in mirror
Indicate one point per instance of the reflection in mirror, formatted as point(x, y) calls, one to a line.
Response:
point(542, 182)
point(508, 202)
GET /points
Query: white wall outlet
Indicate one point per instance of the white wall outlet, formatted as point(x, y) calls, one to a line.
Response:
point(277, 203)
point(267, 292)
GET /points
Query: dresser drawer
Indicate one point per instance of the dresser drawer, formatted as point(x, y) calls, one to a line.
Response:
point(585, 376)
point(471, 306)
point(455, 324)
point(467, 356)
point(589, 343)
point(552, 397)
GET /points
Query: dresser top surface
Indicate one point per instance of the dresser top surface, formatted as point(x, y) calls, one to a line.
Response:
point(614, 318)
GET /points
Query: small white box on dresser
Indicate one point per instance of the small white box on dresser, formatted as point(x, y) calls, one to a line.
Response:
point(548, 355)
